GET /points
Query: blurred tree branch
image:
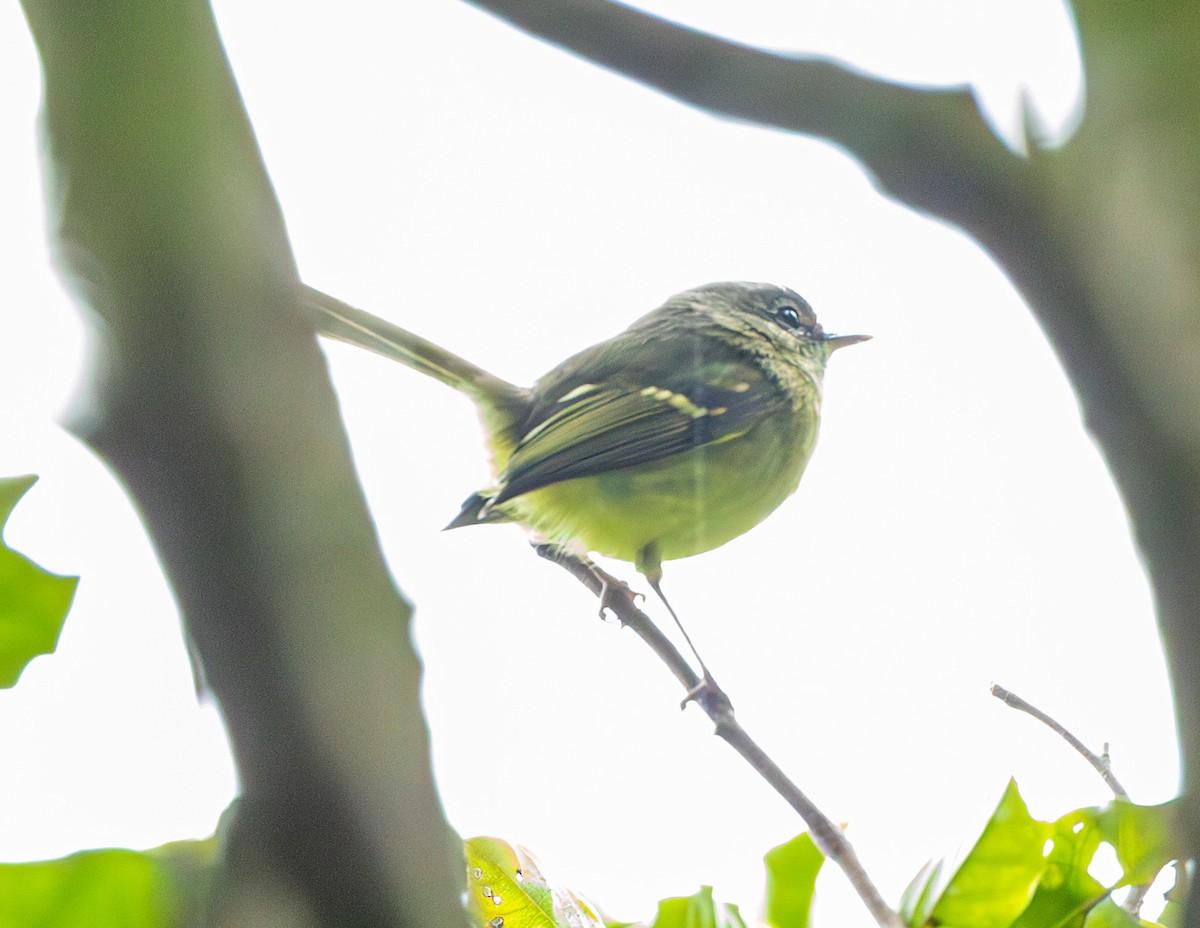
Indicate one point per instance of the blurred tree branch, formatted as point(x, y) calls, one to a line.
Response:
point(213, 403)
point(1100, 235)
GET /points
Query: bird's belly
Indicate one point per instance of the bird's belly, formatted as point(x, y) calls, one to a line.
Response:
point(684, 505)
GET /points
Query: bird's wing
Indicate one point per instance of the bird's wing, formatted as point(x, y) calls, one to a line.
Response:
point(592, 428)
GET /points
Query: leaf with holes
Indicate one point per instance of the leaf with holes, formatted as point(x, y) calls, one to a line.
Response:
point(1146, 838)
point(506, 889)
point(33, 601)
point(1024, 873)
point(1067, 891)
point(1068, 896)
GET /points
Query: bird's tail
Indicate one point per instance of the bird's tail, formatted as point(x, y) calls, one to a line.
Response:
point(501, 402)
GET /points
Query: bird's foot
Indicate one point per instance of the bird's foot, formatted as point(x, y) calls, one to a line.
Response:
point(709, 697)
point(613, 592)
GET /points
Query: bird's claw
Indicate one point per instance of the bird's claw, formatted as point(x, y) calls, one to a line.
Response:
point(709, 697)
point(613, 593)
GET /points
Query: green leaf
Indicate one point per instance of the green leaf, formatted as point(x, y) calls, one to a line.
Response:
point(1146, 838)
point(166, 887)
point(995, 881)
point(1066, 891)
point(506, 889)
point(33, 602)
point(1107, 914)
point(792, 870)
point(698, 911)
point(1068, 896)
point(920, 896)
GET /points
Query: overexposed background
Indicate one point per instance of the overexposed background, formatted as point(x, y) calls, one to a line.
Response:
point(956, 526)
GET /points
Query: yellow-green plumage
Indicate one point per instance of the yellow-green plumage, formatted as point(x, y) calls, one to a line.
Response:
point(670, 439)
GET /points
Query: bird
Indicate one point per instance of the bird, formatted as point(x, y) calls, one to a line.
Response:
point(668, 440)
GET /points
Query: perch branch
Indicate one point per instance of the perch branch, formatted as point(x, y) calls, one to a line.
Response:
point(827, 836)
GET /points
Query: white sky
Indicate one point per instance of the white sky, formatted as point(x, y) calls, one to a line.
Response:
point(956, 526)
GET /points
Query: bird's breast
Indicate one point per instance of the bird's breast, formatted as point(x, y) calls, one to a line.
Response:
point(684, 504)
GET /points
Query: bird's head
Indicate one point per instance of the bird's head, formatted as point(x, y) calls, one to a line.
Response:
point(757, 311)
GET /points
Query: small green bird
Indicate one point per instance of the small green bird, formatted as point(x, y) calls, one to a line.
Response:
point(668, 440)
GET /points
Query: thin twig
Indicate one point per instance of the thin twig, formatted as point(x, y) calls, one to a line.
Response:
point(1137, 895)
point(1101, 762)
point(827, 836)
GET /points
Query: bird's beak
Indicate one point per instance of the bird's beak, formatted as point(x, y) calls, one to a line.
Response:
point(841, 341)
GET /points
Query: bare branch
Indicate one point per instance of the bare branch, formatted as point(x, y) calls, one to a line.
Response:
point(1100, 762)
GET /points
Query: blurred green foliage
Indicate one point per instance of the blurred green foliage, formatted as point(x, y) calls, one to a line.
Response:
point(33, 601)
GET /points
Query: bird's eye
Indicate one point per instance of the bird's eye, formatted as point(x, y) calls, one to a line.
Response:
point(793, 313)
point(788, 316)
